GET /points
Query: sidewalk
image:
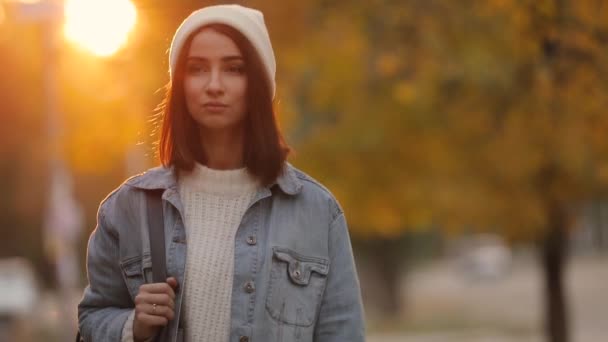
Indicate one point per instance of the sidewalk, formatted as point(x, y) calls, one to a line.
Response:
point(444, 306)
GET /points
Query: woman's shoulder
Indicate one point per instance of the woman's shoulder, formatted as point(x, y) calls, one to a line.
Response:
point(308, 182)
point(314, 191)
point(156, 178)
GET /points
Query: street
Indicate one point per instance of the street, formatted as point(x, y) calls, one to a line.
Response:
point(444, 306)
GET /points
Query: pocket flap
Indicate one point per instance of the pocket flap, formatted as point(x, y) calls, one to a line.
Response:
point(300, 267)
point(133, 266)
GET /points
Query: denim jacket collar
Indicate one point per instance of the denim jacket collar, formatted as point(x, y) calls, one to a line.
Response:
point(165, 178)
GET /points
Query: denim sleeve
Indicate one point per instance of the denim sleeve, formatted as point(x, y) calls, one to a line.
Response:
point(127, 330)
point(106, 303)
point(341, 313)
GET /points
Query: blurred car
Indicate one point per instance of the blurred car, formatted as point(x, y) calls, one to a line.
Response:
point(484, 257)
point(18, 288)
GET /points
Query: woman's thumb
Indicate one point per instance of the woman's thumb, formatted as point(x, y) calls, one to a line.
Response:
point(172, 282)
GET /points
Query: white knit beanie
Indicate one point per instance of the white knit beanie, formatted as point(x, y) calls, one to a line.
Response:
point(248, 21)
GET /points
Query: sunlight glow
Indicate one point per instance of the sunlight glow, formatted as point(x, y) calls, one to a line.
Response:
point(100, 26)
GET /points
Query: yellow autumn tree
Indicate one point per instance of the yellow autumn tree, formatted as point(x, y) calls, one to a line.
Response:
point(485, 114)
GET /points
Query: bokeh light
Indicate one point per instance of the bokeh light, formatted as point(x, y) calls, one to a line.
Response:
point(100, 26)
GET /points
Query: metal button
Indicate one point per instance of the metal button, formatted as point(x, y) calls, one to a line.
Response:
point(249, 287)
point(244, 339)
point(297, 274)
point(252, 240)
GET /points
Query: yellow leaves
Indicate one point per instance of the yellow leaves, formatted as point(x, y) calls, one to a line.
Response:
point(591, 12)
point(330, 61)
point(546, 8)
point(544, 86)
point(520, 213)
point(404, 92)
point(385, 221)
point(601, 173)
point(387, 64)
point(381, 212)
point(466, 105)
point(513, 155)
point(285, 111)
point(494, 6)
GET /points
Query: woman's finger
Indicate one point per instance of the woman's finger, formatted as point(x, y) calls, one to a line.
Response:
point(158, 288)
point(155, 298)
point(159, 310)
point(151, 320)
point(173, 283)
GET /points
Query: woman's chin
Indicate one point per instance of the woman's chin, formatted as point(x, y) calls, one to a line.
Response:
point(217, 124)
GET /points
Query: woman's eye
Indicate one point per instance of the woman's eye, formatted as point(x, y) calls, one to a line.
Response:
point(194, 68)
point(236, 69)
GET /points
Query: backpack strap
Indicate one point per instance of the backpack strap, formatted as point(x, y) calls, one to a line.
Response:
point(156, 232)
point(156, 229)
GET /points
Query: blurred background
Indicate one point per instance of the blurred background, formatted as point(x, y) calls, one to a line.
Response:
point(466, 140)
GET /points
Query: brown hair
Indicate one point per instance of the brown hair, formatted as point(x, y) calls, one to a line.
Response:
point(265, 150)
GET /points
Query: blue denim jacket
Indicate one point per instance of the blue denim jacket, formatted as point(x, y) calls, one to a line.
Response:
point(292, 243)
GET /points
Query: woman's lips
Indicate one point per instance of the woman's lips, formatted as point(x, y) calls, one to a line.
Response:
point(215, 108)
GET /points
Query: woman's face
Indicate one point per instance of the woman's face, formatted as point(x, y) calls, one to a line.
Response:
point(215, 82)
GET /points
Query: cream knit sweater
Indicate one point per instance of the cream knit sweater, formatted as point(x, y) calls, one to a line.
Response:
point(214, 202)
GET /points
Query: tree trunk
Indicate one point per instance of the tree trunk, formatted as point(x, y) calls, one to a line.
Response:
point(599, 226)
point(554, 251)
point(383, 261)
point(389, 267)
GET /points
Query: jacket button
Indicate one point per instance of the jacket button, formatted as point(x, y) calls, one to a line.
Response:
point(297, 274)
point(244, 339)
point(251, 240)
point(249, 287)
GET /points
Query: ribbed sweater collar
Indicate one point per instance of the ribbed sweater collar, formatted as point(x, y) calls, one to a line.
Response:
point(228, 183)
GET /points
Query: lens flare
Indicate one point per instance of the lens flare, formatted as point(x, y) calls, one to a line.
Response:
point(100, 26)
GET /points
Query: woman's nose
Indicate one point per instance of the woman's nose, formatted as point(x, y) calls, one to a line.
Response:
point(215, 85)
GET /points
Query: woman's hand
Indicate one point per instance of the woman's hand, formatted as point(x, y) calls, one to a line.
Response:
point(154, 308)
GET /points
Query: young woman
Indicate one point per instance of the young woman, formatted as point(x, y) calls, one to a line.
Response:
point(256, 250)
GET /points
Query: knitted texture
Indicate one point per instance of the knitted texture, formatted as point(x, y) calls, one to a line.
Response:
point(127, 329)
point(214, 202)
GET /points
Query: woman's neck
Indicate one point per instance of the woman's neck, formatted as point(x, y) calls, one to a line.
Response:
point(223, 150)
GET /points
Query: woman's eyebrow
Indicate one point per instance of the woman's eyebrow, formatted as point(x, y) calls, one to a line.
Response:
point(224, 59)
point(232, 58)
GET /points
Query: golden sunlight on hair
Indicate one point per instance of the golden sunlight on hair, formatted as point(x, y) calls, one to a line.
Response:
point(100, 26)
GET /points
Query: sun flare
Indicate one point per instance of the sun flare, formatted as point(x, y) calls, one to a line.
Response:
point(100, 26)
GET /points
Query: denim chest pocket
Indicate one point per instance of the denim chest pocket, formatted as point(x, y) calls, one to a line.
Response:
point(133, 271)
point(295, 287)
